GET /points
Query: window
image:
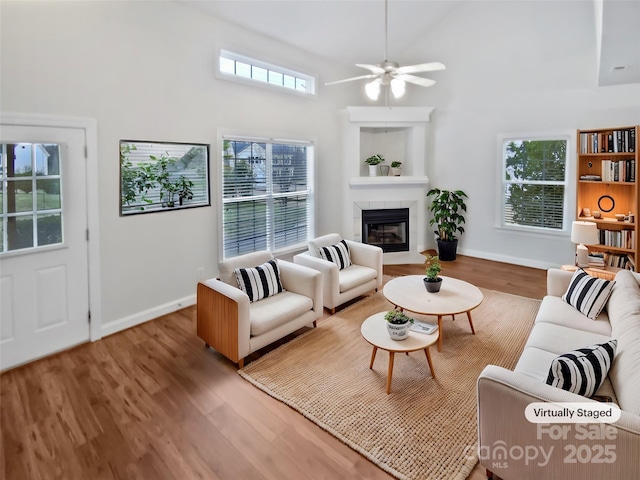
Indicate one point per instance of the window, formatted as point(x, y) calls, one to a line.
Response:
point(267, 195)
point(535, 182)
point(30, 199)
point(254, 70)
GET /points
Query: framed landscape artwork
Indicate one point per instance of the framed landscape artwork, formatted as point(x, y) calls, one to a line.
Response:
point(163, 176)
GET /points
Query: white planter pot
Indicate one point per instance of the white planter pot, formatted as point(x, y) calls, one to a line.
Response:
point(396, 171)
point(373, 170)
point(398, 331)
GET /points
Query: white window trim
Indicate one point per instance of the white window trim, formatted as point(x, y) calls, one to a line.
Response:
point(570, 185)
point(311, 80)
point(311, 166)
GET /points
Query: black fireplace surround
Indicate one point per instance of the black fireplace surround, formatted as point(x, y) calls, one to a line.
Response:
point(386, 228)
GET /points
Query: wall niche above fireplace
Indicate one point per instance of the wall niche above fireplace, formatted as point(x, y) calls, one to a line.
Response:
point(396, 133)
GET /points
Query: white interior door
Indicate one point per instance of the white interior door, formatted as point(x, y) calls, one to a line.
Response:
point(43, 260)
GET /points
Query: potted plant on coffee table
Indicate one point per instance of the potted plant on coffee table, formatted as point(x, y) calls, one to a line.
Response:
point(373, 162)
point(446, 207)
point(398, 324)
point(432, 281)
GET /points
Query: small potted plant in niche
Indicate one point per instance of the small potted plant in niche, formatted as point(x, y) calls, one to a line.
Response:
point(396, 168)
point(445, 207)
point(432, 281)
point(373, 163)
point(398, 324)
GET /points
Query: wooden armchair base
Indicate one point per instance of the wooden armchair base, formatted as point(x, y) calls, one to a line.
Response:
point(217, 322)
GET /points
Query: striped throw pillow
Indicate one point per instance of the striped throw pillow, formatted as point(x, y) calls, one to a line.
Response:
point(259, 282)
point(583, 370)
point(588, 294)
point(338, 254)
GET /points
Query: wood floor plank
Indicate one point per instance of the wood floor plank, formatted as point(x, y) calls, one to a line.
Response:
point(153, 402)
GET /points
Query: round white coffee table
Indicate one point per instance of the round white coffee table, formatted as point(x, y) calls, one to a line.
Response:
point(374, 331)
point(455, 296)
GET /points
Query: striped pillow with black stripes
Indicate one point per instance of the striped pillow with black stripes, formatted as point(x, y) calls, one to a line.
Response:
point(588, 294)
point(338, 254)
point(583, 370)
point(259, 282)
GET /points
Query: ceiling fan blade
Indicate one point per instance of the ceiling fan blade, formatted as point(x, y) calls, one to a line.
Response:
point(374, 68)
point(423, 82)
point(423, 67)
point(361, 77)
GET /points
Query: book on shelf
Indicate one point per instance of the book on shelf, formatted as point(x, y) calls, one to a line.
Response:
point(592, 178)
point(620, 260)
point(596, 260)
point(616, 141)
point(617, 171)
point(618, 238)
point(423, 327)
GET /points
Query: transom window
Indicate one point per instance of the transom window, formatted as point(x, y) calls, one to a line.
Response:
point(534, 182)
point(31, 198)
point(266, 195)
point(243, 67)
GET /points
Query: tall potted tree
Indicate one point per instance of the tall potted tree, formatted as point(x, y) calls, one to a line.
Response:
point(446, 206)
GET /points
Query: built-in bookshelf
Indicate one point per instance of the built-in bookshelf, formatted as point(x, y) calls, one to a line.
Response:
point(607, 192)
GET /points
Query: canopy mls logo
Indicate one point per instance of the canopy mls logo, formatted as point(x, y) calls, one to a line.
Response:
point(572, 412)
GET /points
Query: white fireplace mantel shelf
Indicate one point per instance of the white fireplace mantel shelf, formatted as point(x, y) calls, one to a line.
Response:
point(388, 181)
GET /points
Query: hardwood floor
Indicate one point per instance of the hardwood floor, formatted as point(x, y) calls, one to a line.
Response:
point(153, 402)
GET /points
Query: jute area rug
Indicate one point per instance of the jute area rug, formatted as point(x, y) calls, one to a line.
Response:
point(426, 428)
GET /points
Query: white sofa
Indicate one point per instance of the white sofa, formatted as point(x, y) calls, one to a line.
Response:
point(577, 451)
point(340, 286)
point(236, 327)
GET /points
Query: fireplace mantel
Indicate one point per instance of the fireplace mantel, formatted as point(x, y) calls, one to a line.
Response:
point(387, 181)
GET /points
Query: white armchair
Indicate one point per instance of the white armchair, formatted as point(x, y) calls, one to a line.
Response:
point(339, 286)
point(236, 327)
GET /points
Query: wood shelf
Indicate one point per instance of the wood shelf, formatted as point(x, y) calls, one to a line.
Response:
point(625, 193)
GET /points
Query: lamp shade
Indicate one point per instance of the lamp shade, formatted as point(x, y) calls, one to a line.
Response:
point(373, 89)
point(585, 233)
point(397, 87)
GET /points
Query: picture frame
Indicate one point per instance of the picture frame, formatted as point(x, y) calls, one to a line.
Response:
point(159, 176)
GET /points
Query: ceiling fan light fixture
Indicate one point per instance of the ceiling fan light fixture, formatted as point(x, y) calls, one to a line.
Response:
point(373, 89)
point(398, 87)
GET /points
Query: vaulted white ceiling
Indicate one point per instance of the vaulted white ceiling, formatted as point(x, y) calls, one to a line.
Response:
point(352, 31)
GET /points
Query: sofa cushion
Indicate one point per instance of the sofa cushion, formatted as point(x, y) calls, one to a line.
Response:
point(582, 370)
point(588, 294)
point(624, 303)
point(559, 339)
point(277, 310)
point(259, 282)
point(558, 312)
point(337, 253)
point(624, 309)
point(354, 276)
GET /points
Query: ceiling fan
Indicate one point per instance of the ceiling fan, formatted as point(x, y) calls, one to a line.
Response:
point(391, 74)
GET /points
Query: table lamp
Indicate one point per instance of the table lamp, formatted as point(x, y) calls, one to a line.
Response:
point(583, 233)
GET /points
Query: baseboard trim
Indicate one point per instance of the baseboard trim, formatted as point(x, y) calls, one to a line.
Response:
point(116, 326)
point(523, 262)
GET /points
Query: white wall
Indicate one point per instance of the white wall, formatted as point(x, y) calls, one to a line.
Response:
point(146, 71)
point(512, 67)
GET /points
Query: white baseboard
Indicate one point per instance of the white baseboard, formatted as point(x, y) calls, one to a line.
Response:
point(146, 315)
point(524, 262)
